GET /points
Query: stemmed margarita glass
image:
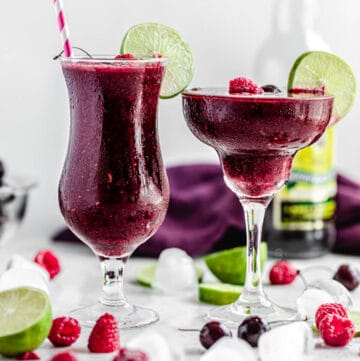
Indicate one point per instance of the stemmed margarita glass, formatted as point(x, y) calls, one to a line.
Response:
point(113, 190)
point(256, 138)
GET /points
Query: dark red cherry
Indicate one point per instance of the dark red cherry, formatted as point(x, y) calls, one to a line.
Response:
point(211, 332)
point(251, 329)
point(348, 275)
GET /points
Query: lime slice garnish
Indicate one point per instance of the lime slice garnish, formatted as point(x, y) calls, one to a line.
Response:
point(316, 68)
point(25, 320)
point(219, 293)
point(150, 39)
point(146, 274)
point(230, 266)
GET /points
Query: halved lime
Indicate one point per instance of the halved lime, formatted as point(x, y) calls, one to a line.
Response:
point(25, 320)
point(230, 266)
point(146, 274)
point(150, 39)
point(316, 68)
point(219, 293)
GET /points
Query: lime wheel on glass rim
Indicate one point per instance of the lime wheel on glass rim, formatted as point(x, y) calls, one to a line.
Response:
point(152, 39)
point(317, 69)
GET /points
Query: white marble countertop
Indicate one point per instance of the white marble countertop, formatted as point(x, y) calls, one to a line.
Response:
point(80, 283)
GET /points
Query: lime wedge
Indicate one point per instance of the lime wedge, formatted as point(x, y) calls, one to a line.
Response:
point(316, 68)
point(219, 293)
point(150, 39)
point(230, 266)
point(146, 274)
point(355, 318)
point(25, 320)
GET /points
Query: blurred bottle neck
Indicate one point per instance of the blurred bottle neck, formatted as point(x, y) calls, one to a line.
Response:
point(293, 16)
point(292, 32)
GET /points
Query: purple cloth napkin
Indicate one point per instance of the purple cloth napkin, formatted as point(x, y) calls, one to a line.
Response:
point(202, 213)
point(205, 216)
point(347, 216)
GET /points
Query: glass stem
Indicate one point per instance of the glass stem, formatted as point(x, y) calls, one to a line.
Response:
point(254, 218)
point(113, 288)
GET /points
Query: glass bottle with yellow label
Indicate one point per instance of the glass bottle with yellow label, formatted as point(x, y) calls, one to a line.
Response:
point(300, 222)
point(303, 211)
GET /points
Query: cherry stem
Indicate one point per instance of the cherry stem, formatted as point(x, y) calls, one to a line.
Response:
point(300, 275)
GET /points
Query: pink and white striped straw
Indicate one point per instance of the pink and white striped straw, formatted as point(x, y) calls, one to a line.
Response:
point(64, 31)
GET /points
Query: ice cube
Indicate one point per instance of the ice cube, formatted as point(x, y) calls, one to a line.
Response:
point(20, 277)
point(17, 261)
point(284, 343)
point(159, 345)
point(175, 273)
point(229, 349)
point(335, 289)
point(310, 300)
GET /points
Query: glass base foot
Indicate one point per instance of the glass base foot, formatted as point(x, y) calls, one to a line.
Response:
point(127, 316)
point(235, 313)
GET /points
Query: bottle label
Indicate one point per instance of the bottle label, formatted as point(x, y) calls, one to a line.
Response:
point(308, 199)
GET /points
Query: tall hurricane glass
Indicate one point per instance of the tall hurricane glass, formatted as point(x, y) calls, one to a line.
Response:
point(256, 138)
point(113, 189)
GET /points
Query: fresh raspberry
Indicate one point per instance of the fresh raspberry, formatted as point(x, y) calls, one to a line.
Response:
point(49, 261)
point(125, 56)
point(244, 85)
point(336, 330)
point(126, 354)
point(329, 309)
point(30, 355)
point(104, 336)
point(282, 273)
point(64, 331)
point(64, 356)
